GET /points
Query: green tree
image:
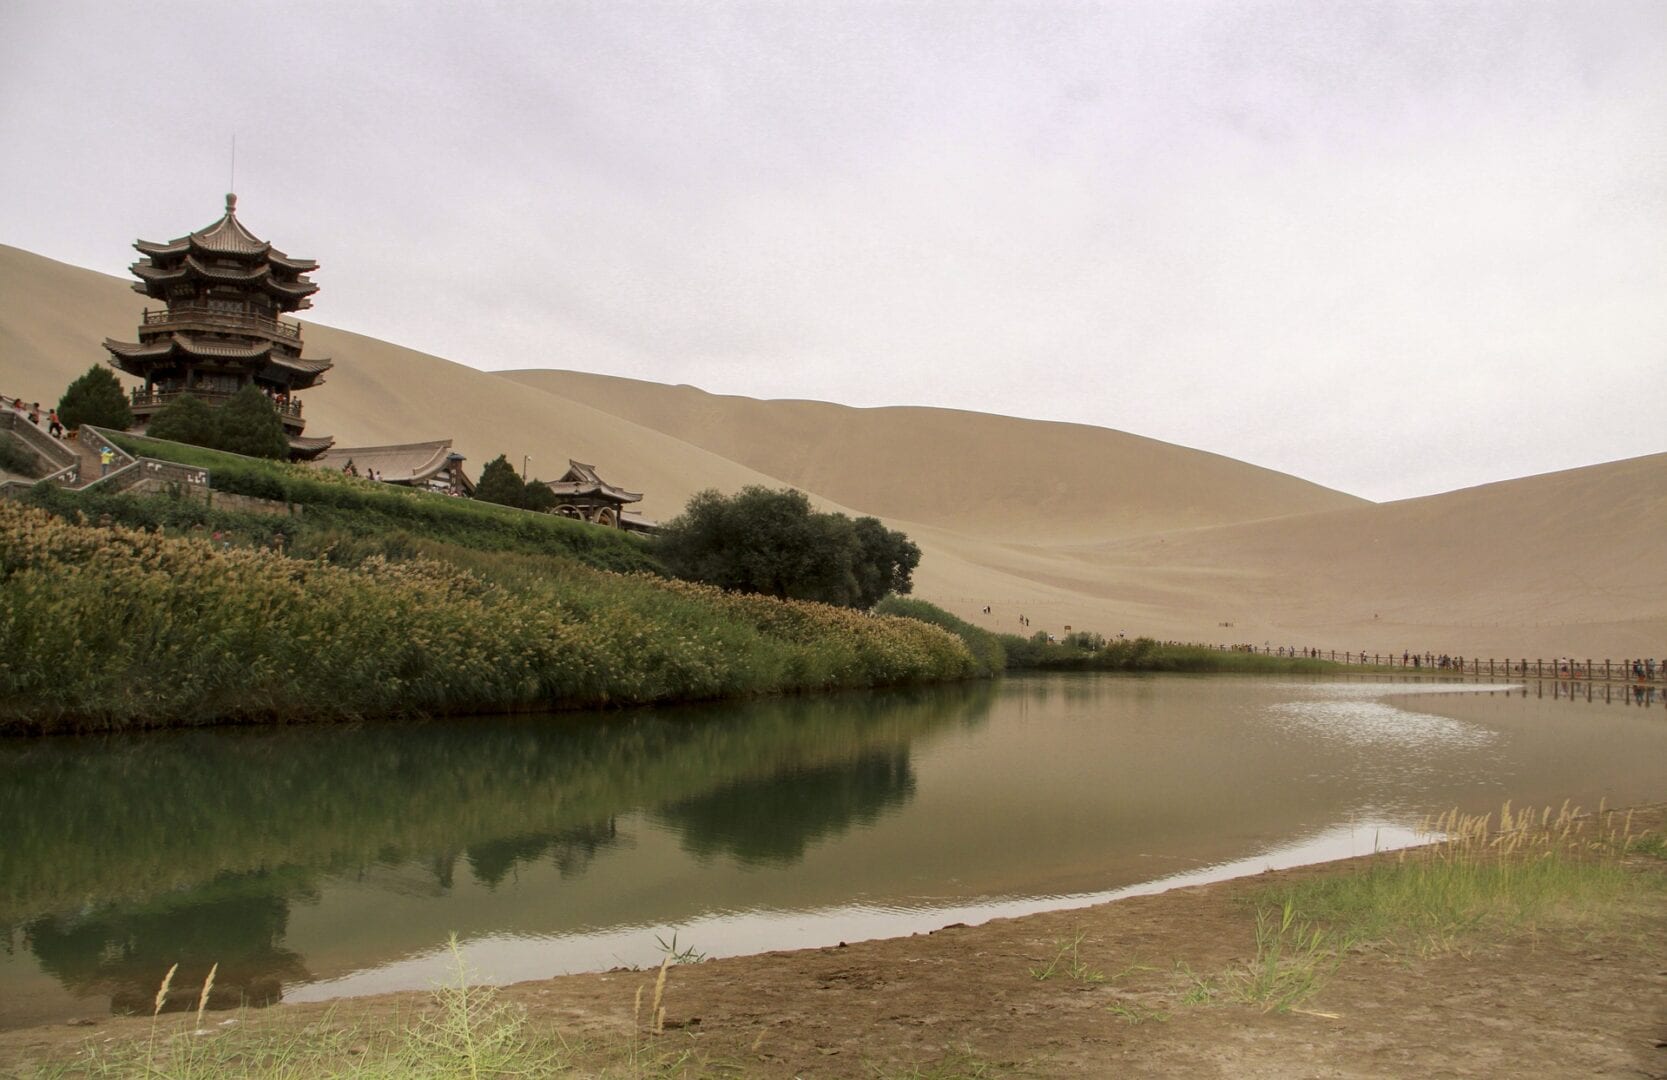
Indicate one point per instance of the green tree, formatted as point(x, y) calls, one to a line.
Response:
point(885, 562)
point(772, 542)
point(186, 419)
point(249, 424)
point(500, 483)
point(536, 495)
point(95, 398)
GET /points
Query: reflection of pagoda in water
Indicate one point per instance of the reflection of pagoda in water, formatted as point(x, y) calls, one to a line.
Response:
point(219, 332)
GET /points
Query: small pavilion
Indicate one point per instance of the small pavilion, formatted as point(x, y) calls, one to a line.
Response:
point(432, 466)
point(581, 494)
point(223, 290)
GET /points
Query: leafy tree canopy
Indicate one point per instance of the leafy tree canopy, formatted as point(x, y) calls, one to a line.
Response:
point(772, 542)
point(95, 398)
point(500, 483)
point(247, 424)
point(186, 419)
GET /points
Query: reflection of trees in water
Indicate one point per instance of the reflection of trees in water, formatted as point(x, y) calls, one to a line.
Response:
point(570, 851)
point(84, 820)
point(190, 878)
point(124, 951)
point(773, 819)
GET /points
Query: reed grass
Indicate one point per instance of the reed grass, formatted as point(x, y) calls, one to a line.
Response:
point(110, 627)
point(1483, 875)
point(1293, 959)
point(1091, 652)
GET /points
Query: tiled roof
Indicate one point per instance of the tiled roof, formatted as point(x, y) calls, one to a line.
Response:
point(305, 365)
point(581, 479)
point(308, 447)
point(151, 272)
point(135, 351)
point(227, 236)
point(166, 345)
point(221, 350)
point(405, 463)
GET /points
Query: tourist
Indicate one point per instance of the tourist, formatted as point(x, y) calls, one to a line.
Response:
point(54, 426)
point(106, 457)
point(35, 414)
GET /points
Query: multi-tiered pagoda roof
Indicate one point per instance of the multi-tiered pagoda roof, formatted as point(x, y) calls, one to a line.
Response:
point(223, 289)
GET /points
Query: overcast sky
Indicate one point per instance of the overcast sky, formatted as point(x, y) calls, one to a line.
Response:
point(1394, 248)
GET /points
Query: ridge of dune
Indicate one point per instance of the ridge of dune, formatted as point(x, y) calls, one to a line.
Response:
point(979, 474)
point(1555, 564)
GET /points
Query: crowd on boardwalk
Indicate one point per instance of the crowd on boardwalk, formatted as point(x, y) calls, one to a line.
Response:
point(1640, 669)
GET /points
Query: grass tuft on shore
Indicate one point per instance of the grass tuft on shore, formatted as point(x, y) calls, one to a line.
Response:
point(1483, 876)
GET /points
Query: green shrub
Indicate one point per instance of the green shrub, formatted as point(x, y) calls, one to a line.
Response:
point(186, 419)
point(260, 483)
point(986, 648)
point(18, 459)
point(95, 398)
point(249, 424)
point(772, 542)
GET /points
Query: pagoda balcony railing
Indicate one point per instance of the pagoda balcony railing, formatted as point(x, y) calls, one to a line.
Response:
point(228, 320)
point(156, 399)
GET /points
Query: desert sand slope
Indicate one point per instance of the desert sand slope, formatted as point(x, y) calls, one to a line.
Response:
point(54, 317)
point(993, 477)
point(53, 320)
point(1572, 561)
point(1565, 563)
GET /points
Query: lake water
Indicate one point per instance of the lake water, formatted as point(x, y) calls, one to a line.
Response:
point(314, 862)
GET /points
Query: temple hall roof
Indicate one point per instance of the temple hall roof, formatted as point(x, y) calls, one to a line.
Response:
point(581, 479)
point(405, 463)
point(308, 447)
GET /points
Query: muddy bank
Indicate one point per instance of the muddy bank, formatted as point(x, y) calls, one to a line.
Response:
point(1109, 990)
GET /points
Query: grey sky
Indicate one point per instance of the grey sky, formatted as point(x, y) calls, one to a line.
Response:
point(1393, 248)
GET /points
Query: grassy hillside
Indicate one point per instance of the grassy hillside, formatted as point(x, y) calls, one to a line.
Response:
point(345, 514)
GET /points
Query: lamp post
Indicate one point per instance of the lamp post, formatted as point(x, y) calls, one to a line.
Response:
point(524, 460)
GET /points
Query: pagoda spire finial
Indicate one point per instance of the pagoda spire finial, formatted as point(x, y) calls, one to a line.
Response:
point(231, 203)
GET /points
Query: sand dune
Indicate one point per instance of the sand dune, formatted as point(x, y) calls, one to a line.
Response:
point(1571, 562)
point(1067, 524)
point(997, 477)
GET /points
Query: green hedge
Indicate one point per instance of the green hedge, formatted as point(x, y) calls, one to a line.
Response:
point(351, 506)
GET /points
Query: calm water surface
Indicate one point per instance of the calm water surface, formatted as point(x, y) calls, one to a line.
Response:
point(316, 862)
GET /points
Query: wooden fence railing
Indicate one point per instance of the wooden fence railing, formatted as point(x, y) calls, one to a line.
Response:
point(1628, 669)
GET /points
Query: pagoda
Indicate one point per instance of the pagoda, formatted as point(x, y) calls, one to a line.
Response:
point(223, 289)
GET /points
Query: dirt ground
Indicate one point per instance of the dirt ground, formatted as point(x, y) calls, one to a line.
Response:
point(966, 1001)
